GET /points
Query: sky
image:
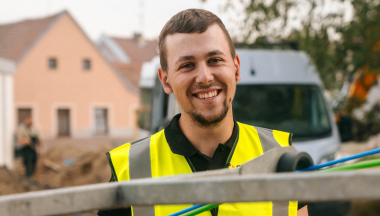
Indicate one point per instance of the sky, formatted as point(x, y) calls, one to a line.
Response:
point(112, 17)
point(123, 18)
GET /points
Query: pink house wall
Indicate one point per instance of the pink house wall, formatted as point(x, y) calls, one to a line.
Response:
point(69, 86)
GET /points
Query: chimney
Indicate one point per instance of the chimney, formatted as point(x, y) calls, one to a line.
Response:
point(139, 39)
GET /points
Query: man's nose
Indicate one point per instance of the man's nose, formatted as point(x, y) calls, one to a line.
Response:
point(204, 74)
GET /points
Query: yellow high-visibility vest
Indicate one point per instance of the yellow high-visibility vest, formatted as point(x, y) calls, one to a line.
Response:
point(152, 157)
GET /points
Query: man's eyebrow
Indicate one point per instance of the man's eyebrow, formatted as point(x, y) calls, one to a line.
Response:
point(214, 52)
point(184, 58)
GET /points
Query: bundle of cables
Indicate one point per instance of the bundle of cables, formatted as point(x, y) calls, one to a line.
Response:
point(199, 208)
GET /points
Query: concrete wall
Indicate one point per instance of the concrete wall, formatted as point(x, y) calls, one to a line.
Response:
point(70, 87)
point(7, 68)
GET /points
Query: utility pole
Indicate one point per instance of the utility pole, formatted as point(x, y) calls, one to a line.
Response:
point(141, 17)
point(47, 7)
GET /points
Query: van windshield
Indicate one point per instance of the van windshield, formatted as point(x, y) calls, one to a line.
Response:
point(298, 109)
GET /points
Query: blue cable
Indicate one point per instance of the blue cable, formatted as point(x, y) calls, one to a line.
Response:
point(315, 167)
point(187, 209)
point(341, 160)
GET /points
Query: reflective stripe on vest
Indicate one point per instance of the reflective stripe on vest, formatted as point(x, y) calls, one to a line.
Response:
point(152, 157)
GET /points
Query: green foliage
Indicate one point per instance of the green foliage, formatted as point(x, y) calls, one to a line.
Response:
point(338, 46)
point(362, 33)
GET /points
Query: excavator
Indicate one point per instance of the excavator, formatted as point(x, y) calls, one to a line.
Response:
point(357, 98)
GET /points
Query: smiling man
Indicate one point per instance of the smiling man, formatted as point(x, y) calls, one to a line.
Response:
point(201, 69)
point(199, 65)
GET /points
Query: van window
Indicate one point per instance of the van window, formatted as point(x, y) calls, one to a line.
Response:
point(298, 109)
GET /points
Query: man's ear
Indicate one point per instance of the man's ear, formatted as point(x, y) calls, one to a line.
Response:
point(237, 68)
point(163, 76)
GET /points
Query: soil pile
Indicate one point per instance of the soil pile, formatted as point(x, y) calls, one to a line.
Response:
point(11, 183)
point(62, 166)
point(65, 166)
point(66, 163)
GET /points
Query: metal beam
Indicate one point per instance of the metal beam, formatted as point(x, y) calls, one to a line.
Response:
point(312, 187)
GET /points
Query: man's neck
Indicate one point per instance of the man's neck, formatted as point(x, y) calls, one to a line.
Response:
point(207, 139)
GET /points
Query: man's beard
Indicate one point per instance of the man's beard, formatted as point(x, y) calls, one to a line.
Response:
point(200, 119)
point(203, 122)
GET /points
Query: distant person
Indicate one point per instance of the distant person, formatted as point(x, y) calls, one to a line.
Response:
point(28, 139)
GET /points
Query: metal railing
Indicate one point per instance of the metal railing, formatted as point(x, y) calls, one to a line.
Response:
point(242, 184)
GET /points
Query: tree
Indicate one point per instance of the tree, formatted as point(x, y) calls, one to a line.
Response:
point(339, 46)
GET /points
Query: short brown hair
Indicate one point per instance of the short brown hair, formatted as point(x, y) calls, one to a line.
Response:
point(190, 21)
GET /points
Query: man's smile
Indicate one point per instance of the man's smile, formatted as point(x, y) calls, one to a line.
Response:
point(207, 95)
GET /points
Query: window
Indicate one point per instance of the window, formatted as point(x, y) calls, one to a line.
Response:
point(86, 64)
point(22, 113)
point(299, 109)
point(52, 63)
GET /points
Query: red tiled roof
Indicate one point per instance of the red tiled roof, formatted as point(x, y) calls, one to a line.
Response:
point(136, 52)
point(16, 38)
point(131, 71)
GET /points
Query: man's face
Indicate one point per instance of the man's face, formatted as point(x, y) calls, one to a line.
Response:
point(202, 74)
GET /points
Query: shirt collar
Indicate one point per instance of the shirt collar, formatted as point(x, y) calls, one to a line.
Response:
point(179, 144)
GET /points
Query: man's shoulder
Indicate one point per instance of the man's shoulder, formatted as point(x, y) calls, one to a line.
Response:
point(120, 148)
point(260, 128)
point(250, 127)
point(136, 142)
point(126, 146)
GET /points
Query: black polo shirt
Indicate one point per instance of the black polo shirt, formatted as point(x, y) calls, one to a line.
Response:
point(179, 144)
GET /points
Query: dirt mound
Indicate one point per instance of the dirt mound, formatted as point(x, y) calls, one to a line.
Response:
point(11, 183)
point(65, 166)
point(67, 162)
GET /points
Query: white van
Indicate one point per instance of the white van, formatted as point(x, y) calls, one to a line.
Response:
point(279, 90)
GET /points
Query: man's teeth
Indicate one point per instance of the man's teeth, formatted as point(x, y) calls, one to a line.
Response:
point(207, 95)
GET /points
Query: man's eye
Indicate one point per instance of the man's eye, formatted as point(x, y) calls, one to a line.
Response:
point(187, 65)
point(214, 60)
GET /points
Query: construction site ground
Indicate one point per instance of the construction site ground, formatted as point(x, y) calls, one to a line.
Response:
point(67, 162)
point(73, 162)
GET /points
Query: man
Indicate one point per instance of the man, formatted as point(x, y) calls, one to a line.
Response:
point(28, 139)
point(198, 65)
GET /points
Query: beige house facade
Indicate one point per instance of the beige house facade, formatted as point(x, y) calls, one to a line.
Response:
point(64, 82)
point(128, 54)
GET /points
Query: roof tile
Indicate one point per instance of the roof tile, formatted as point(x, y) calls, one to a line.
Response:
point(137, 52)
point(16, 38)
point(131, 71)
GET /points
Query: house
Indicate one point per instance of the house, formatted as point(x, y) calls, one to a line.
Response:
point(130, 55)
point(7, 68)
point(64, 82)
